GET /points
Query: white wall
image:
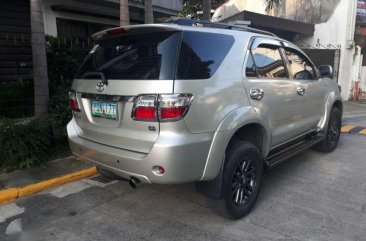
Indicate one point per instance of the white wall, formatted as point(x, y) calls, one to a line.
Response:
point(49, 16)
point(233, 7)
point(340, 29)
point(362, 84)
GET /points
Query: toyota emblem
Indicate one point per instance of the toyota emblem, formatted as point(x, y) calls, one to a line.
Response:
point(100, 86)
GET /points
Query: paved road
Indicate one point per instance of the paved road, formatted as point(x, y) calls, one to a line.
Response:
point(314, 196)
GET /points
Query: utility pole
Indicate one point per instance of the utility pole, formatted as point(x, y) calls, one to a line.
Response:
point(149, 15)
point(206, 7)
point(124, 14)
point(40, 73)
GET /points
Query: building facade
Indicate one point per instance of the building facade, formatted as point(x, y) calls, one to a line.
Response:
point(83, 17)
point(335, 40)
point(335, 23)
point(63, 18)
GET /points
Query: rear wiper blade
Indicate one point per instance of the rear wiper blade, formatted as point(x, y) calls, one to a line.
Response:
point(117, 59)
point(99, 74)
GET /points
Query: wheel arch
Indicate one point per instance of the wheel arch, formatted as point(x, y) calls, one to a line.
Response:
point(254, 133)
point(333, 100)
point(242, 122)
point(251, 130)
point(338, 104)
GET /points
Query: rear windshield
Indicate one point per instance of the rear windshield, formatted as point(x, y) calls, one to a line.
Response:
point(141, 56)
point(155, 56)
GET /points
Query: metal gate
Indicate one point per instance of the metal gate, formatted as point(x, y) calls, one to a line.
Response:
point(321, 55)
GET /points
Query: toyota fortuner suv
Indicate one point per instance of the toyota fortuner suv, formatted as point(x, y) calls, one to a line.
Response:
point(192, 101)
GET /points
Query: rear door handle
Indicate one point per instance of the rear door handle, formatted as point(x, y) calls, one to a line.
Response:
point(301, 90)
point(256, 93)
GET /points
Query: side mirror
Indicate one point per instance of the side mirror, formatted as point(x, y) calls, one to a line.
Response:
point(305, 74)
point(326, 71)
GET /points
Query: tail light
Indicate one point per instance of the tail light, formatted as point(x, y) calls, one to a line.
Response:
point(174, 107)
point(145, 108)
point(161, 107)
point(74, 105)
point(116, 31)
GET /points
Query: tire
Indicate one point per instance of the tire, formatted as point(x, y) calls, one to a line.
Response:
point(108, 174)
point(333, 132)
point(240, 189)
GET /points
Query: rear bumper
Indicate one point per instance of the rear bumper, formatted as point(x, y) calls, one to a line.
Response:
point(182, 154)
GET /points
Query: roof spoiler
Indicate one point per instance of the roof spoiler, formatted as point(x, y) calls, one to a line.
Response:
point(133, 29)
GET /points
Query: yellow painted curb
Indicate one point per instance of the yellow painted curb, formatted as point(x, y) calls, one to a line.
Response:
point(9, 194)
point(347, 128)
point(363, 132)
point(14, 193)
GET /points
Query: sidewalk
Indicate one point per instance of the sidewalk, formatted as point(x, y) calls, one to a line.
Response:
point(353, 109)
point(54, 173)
point(47, 171)
point(354, 118)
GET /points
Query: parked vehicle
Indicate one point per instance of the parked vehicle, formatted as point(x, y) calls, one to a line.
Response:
point(212, 104)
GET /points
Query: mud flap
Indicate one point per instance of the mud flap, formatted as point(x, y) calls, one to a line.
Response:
point(212, 189)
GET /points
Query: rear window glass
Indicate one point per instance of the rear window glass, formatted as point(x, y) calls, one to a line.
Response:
point(201, 54)
point(141, 56)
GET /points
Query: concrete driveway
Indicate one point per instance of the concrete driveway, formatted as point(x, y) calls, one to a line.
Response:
point(314, 196)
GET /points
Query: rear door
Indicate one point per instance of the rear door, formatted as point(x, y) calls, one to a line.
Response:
point(272, 93)
point(309, 89)
point(112, 75)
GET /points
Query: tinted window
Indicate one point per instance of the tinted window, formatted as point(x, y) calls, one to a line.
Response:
point(269, 62)
point(201, 54)
point(141, 56)
point(250, 70)
point(300, 68)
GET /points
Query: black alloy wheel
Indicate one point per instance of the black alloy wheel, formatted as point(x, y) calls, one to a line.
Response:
point(241, 180)
point(333, 132)
point(244, 182)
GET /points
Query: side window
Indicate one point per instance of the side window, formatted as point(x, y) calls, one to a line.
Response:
point(251, 69)
point(268, 62)
point(201, 54)
point(300, 67)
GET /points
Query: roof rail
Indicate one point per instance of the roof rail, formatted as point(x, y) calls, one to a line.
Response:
point(193, 22)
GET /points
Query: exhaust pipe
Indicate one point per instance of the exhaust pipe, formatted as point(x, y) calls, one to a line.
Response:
point(134, 182)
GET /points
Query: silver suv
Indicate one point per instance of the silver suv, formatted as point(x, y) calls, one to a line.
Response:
point(192, 101)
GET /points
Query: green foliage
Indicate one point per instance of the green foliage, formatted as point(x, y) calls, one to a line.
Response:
point(16, 99)
point(60, 113)
point(23, 143)
point(191, 7)
point(26, 142)
point(64, 57)
point(270, 4)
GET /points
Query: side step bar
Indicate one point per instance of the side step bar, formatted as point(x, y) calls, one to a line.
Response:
point(281, 156)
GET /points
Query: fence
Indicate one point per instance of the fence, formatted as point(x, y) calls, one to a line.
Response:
point(64, 56)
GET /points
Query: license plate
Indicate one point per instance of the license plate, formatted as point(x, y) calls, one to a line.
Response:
point(104, 109)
